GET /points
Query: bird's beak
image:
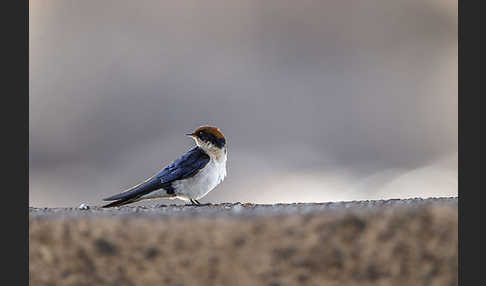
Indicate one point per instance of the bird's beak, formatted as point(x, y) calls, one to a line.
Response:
point(190, 135)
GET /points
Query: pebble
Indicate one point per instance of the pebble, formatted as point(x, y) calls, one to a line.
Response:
point(83, 207)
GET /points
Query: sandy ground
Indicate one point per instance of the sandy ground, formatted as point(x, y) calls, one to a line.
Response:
point(388, 242)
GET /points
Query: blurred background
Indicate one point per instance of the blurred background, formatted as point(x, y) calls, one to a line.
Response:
point(319, 100)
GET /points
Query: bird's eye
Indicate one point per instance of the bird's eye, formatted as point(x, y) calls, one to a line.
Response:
point(201, 133)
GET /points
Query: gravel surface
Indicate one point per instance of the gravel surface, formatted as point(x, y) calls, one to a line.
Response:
point(362, 243)
point(236, 209)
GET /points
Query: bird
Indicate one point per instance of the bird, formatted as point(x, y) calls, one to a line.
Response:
point(190, 177)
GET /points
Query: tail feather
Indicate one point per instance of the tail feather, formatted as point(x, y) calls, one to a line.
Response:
point(118, 203)
point(134, 193)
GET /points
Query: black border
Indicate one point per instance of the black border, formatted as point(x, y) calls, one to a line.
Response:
point(15, 139)
point(471, 66)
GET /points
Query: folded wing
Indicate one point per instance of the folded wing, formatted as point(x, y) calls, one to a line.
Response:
point(184, 167)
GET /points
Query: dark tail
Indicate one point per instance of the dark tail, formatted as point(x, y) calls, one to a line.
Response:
point(118, 203)
point(134, 193)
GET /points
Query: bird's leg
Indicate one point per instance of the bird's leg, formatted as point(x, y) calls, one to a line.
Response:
point(207, 204)
point(197, 203)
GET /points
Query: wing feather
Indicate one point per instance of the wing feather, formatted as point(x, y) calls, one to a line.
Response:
point(184, 167)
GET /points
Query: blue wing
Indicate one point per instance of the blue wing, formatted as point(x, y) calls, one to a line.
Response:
point(184, 167)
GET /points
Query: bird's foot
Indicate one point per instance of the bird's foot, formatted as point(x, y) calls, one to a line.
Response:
point(205, 205)
point(197, 203)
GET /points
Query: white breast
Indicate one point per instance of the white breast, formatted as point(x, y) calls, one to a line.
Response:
point(203, 182)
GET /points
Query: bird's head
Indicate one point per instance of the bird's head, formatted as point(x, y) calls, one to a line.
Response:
point(209, 138)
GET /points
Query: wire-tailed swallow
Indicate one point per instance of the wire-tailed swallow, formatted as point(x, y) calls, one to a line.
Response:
point(189, 178)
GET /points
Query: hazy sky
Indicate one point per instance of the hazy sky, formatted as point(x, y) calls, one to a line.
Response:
point(319, 100)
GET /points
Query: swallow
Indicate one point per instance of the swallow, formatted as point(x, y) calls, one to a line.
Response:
point(189, 178)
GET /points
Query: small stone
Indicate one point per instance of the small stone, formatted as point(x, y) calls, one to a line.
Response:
point(83, 207)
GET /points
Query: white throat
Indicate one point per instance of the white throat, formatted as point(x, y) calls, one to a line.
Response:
point(217, 154)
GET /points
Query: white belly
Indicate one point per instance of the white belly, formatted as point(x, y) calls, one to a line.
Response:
point(202, 183)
